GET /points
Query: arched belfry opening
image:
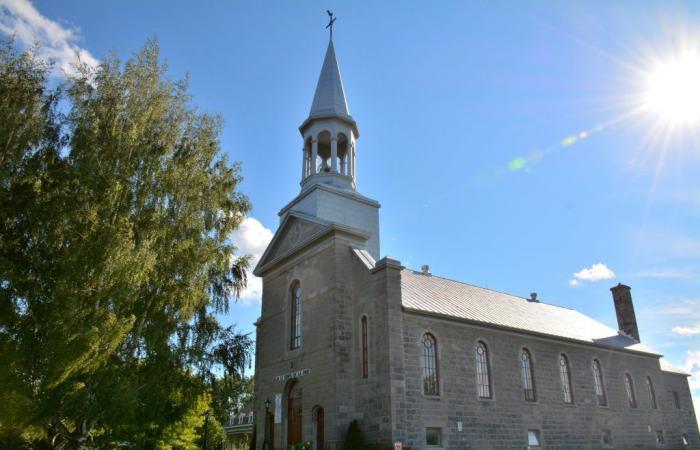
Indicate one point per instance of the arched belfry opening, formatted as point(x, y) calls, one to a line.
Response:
point(324, 152)
point(343, 154)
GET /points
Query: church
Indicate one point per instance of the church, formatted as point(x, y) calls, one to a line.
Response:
point(425, 362)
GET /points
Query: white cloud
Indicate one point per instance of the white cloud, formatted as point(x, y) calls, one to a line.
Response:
point(692, 365)
point(687, 308)
point(251, 238)
point(596, 272)
point(686, 331)
point(667, 273)
point(667, 244)
point(58, 43)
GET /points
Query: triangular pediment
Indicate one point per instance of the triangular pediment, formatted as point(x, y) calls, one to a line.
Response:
point(295, 231)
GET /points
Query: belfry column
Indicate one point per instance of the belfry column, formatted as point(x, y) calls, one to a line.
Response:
point(351, 160)
point(303, 163)
point(334, 154)
point(314, 155)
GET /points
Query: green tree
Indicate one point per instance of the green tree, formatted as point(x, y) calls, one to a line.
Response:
point(116, 208)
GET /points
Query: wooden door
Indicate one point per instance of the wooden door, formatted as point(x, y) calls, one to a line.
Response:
point(320, 438)
point(294, 415)
point(271, 430)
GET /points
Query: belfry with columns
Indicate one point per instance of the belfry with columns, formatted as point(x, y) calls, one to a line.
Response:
point(329, 132)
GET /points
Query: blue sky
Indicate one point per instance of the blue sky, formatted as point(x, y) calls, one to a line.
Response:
point(503, 139)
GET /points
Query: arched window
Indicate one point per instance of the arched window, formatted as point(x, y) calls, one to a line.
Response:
point(599, 386)
point(483, 377)
point(565, 375)
point(365, 349)
point(629, 387)
point(652, 393)
point(295, 315)
point(431, 382)
point(527, 375)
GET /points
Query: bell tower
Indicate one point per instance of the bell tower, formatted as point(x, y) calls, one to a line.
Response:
point(328, 164)
point(329, 132)
point(317, 284)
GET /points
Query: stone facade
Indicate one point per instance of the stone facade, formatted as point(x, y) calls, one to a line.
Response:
point(390, 405)
point(327, 245)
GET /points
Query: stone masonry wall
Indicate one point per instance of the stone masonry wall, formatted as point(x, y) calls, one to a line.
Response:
point(503, 422)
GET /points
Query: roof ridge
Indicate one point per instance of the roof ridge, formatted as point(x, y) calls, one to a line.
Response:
point(489, 289)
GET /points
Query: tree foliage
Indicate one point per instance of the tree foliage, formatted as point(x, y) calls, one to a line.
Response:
point(116, 208)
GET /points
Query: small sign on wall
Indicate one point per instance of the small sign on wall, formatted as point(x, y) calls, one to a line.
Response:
point(278, 408)
point(294, 374)
point(459, 426)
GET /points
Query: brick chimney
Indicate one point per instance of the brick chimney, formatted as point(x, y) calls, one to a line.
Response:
point(626, 320)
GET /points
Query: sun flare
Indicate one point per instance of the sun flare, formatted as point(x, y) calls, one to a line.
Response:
point(673, 90)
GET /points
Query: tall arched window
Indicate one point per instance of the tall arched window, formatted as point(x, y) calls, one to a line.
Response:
point(483, 377)
point(527, 375)
point(599, 386)
point(629, 388)
point(652, 393)
point(431, 382)
point(365, 349)
point(565, 375)
point(295, 315)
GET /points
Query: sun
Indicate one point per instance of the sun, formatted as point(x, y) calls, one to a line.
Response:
point(673, 90)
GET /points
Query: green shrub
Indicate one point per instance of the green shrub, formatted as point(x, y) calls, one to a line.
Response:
point(354, 440)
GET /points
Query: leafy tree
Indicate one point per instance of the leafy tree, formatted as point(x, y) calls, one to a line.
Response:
point(116, 208)
point(230, 393)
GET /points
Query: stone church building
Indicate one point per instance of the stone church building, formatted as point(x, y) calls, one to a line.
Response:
point(429, 362)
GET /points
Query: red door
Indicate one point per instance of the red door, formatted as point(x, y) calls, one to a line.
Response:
point(294, 415)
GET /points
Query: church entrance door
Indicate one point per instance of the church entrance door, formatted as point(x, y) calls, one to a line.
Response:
point(318, 428)
point(294, 415)
point(271, 430)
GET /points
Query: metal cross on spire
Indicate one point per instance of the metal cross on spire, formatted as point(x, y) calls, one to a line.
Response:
point(331, 21)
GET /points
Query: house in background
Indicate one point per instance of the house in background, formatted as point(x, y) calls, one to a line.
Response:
point(239, 429)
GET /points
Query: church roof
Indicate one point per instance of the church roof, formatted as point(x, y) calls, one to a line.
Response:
point(329, 99)
point(426, 293)
point(667, 367)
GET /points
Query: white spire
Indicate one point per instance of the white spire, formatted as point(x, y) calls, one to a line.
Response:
point(329, 99)
point(330, 132)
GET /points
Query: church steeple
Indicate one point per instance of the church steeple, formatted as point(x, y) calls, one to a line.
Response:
point(329, 132)
point(329, 194)
point(329, 99)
